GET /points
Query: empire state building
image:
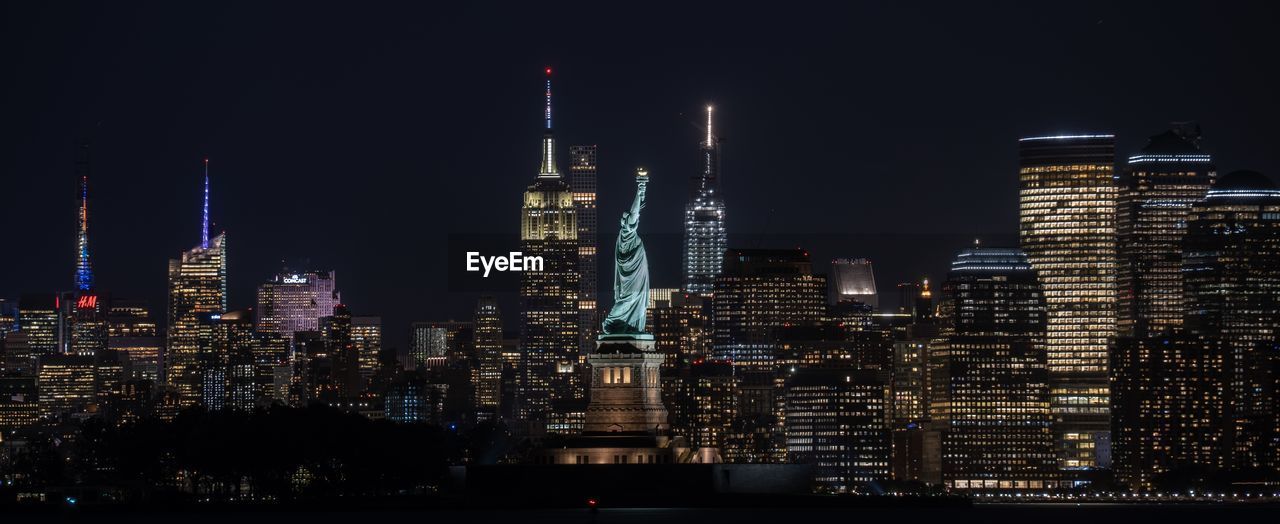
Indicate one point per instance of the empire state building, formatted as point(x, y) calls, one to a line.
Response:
point(549, 374)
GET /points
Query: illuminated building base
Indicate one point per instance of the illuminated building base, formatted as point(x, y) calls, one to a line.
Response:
point(626, 422)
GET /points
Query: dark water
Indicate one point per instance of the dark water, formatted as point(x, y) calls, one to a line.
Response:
point(1020, 514)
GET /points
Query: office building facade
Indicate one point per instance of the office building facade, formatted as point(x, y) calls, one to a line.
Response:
point(1067, 215)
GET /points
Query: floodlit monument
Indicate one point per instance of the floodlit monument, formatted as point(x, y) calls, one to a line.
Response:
point(626, 422)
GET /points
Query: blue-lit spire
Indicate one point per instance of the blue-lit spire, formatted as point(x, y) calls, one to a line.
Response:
point(84, 269)
point(204, 230)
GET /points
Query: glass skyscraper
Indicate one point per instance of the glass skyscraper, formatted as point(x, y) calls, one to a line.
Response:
point(197, 288)
point(1067, 208)
point(705, 239)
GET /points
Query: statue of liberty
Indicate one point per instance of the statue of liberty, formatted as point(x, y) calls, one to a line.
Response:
point(630, 271)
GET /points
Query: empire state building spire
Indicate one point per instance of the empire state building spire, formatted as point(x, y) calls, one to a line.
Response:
point(548, 169)
point(84, 268)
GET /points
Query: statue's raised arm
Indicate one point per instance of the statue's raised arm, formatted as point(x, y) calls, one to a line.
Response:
point(631, 270)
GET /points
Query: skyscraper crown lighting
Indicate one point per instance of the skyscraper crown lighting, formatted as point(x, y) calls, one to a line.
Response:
point(84, 267)
point(204, 215)
point(705, 238)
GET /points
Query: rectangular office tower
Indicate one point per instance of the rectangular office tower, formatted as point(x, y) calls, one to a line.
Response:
point(760, 292)
point(1067, 209)
point(1157, 189)
point(835, 420)
point(582, 180)
point(550, 373)
point(1231, 281)
point(486, 375)
point(1157, 422)
point(197, 289)
point(294, 301)
point(989, 397)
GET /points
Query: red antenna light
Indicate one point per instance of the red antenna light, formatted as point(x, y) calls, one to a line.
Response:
point(548, 71)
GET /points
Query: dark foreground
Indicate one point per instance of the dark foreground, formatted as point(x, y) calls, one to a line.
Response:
point(1019, 514)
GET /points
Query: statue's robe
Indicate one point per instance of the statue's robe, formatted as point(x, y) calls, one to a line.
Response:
point(630, 275)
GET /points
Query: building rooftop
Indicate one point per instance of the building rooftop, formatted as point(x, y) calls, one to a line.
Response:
point(991, 259)
point(1242, 180)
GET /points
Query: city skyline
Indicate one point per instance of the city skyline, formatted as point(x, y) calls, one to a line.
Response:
point(892, 256)
point(867, 155)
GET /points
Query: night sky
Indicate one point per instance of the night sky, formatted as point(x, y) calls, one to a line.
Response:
point(361, 136)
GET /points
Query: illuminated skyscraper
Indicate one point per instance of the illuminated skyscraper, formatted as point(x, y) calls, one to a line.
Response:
point(1157, 190)
point(487, 374)
point(83, 319)
point(989, 396)
point(86, 312)
point(550, 346)
point(702, 402)
point(433, 344)
point(1231, 277)
point(366, 334)
point(38, 318)
point(1067, 202)
point(1166, 400)
point(197, 287)
point(835, 420)
point(852, 280)
point(582, 180)
point(84, 268)
point(293, 302)
point(760, 292)
point(705, 239)
point(132, 333)
point(910, 386)
point(227, 370)
point(1169, 407)
point(66, 384)
point(344, 354)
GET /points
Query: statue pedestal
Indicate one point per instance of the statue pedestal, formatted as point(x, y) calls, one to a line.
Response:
point(626, 386)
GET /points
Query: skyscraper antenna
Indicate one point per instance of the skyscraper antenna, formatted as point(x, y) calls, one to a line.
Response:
point(84, 268)
point(204, 229)
point(710, 139)
point(548, 169)
point(547, 114)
